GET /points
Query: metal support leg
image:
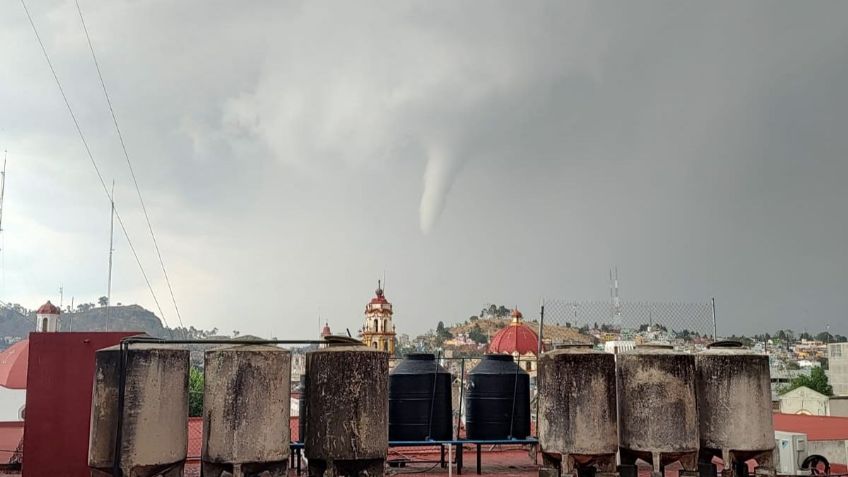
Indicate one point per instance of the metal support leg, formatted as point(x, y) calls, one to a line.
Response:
point(298, 460)
point(459, 459)
point(442, 453)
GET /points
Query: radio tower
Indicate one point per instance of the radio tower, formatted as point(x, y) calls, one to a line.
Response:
point(614, 298)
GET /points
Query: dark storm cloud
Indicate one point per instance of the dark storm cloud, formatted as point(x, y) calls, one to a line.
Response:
point(481, 151)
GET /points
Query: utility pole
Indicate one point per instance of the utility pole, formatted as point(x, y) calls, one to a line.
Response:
point(2, 188)
point(111, 249)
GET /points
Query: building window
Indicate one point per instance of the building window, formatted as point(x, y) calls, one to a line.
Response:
point(376, 328)
point(374, 344)
point(44, 324)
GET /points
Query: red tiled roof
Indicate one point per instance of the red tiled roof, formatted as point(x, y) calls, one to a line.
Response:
point(13, 365)
point(817, 428)
point(48, 309)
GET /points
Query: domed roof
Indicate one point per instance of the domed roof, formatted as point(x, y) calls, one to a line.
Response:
point(379, 298)
point(48, 309)
point(326, 330)
point(515, 338)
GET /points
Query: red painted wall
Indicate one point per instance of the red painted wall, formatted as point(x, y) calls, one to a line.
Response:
point(58, 401)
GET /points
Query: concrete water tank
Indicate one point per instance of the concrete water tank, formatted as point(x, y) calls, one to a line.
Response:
point(347, 410)
point(577, 413)
point(734, 404)
point(246, 407)
point(154, 428)
point(657, 407)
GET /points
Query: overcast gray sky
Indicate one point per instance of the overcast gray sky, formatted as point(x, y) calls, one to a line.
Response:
point(478, 152)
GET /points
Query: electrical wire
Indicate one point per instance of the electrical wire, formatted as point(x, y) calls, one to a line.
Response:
point(129, 163)
point(91, 158)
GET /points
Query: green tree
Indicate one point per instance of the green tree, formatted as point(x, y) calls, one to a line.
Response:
point(476, 334)
point(825, 336)
point(103, 301)
point(195, 392)
point(817, 381)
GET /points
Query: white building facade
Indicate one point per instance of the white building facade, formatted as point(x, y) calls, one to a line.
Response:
point(837, 363)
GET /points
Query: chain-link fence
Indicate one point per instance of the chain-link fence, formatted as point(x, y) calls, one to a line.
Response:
point(626, 320)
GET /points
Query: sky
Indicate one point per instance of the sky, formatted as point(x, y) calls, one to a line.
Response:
point(292, 153)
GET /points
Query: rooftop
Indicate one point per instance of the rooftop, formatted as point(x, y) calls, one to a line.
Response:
point(817, 428)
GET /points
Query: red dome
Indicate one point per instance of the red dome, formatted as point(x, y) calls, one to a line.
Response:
point(326, 331)
point(379, 299)
point(515, 338)
point(48, 309)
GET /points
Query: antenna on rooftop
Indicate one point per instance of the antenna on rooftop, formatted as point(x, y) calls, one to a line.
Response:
point(2, 194)
point(111, 249)
point(2, 187)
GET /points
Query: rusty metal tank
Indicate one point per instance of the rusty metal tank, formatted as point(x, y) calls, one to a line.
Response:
point(657, 407)
point(246, 407)
point(154, 421)
point(347, 412)
point(734, 404)
point(577, 408)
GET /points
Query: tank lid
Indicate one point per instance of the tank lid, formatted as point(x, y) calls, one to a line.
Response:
point(336, 340)
point(654, 346)
point(421, 356)
point(726, 344)
point(498, 357)
point(574, 346)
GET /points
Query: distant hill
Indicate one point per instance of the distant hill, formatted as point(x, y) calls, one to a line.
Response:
point(13, 324)
point(121, 318)
point(553, 333)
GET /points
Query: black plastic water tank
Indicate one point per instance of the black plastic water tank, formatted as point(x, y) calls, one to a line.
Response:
point(419, 400)
point(497, 405)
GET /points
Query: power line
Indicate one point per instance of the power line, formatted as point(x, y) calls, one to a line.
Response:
point(91, 157)
point(129, 163)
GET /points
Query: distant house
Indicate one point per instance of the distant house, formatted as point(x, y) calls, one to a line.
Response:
point(803, 400)
point(826, 436)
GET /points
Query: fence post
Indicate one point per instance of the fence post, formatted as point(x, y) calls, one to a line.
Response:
point(715, 327)
point(538, 359)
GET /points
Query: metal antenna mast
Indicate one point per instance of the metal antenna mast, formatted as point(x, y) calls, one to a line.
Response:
point(614, 297)
point(111, 249)
point(2, 243)
point(2, 188)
